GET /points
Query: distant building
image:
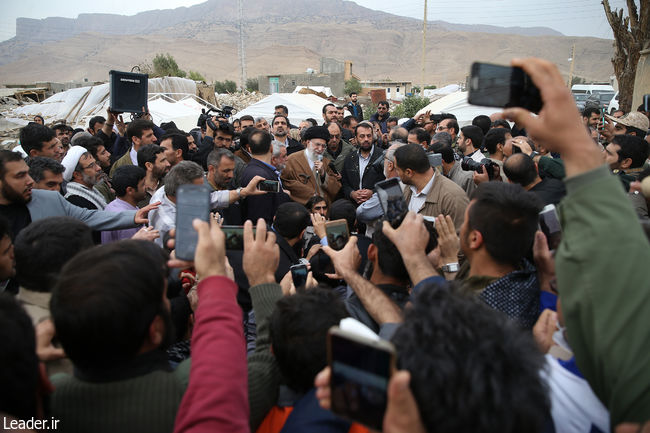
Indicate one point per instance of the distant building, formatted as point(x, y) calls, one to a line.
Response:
point(396, 90)
point(332, 73)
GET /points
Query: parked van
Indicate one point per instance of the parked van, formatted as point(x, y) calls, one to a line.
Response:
point(592, 88)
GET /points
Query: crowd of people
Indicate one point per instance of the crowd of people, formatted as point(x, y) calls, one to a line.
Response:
point(496, 329)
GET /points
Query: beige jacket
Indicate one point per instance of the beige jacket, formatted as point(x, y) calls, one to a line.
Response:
point(446, 198)
point(300, 180)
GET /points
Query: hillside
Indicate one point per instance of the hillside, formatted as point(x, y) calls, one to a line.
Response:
point(281, 36)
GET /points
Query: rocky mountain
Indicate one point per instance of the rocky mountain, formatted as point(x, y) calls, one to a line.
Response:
point(281, 36)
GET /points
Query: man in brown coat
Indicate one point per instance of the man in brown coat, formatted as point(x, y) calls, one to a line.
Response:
point(429, 193)
point(307, 173)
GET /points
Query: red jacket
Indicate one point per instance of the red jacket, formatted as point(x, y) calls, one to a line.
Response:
point(216, 399)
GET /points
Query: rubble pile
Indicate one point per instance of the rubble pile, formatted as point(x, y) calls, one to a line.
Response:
point(239, 100)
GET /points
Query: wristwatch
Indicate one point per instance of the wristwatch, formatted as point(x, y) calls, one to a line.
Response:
point(533, 154)
point(239, 192)
point(450, 268)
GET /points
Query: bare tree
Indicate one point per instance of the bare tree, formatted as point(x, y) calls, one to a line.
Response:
point(631, 35)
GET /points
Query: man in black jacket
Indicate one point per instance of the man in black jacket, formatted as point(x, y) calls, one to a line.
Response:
point(263, 206)
point(280, 128)
point(289, 224)
point(362, 168)
point(354, 107)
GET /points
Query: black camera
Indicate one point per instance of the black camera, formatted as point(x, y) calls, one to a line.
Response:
point(469, 164)
point(206, 118)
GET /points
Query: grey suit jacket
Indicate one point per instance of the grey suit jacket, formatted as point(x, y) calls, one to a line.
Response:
point(45, 204)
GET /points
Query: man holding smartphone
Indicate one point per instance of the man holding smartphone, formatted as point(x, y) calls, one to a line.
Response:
point(264, 206)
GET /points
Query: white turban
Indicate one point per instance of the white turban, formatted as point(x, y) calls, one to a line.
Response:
point(71, 160)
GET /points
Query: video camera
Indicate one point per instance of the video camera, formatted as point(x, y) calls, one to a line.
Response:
point(469, 164)
point(206, 118)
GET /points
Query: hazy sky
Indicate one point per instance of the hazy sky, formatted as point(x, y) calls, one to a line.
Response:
point(571, 17)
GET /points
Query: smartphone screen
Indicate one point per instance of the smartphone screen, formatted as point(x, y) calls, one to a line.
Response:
point(235, 237)
point(502, 86)
point(391, 198)
point(646, 103)
point(269, 185)
point(299, 275)
point(337, 233)
point(549, 224)
point(192, 202)
point(435, 159)
point(361, 369)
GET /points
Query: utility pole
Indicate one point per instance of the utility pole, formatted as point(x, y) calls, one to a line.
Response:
point(242, 52)
point(424, 45)
point(573, 61)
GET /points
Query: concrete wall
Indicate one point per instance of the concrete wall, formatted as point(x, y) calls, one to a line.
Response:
point(288, 82)
point(329, 65)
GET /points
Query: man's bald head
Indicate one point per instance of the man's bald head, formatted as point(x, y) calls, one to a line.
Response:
point(520, 168)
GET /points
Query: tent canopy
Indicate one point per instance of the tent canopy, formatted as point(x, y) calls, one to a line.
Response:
point(300, 107)
point(456, 103)
point(77, 106)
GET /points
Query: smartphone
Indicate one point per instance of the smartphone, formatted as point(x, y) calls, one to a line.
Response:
point(646, 103)
point(549, 224)
point(235, 237)
point(361, 369)
point(435, 159)
point(337, 233)
point(269, 185)
point(333, 168)
point(391, 198)
point(192, 202)
point(299, 275)
point(502, 86)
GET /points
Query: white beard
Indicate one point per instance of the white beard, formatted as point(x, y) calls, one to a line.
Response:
point(313, 156)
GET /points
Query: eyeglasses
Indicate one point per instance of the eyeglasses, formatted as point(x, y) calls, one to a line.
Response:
point(91, 165)
point(442, 128)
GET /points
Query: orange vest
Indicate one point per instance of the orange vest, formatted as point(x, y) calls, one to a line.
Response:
point(275, 419)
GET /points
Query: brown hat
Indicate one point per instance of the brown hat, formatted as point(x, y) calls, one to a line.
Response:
point(632, 119)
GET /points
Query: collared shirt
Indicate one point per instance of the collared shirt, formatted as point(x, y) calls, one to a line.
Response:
point(134, 156)
point(36, 304)
point(309, 161)
point(162, 219)
point(363, 163)
point(477, 156)
point(118, 205)
point(275, 170)
point(418, 199)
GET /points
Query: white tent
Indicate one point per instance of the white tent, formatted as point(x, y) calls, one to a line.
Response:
point(77, 106)
point(300, 107)
point(183, 113)
point(456, 103)
point(451, 88)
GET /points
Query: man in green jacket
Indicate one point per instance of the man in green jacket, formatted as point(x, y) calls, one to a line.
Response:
point(601, 263)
